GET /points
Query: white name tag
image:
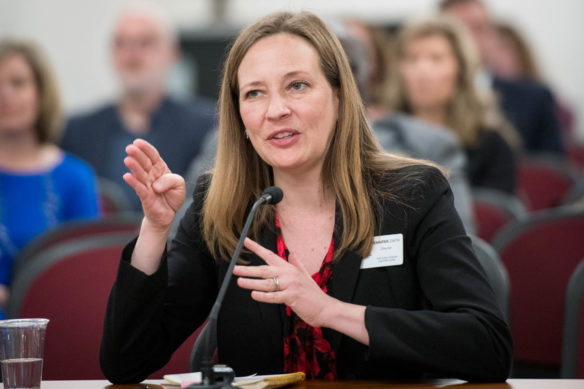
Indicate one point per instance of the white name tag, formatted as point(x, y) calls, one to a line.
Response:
point(388, 250)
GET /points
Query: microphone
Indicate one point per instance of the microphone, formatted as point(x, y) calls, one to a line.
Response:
point(221, 376)
point(273, 195)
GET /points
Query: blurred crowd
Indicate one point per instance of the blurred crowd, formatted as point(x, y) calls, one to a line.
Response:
point(458, 88)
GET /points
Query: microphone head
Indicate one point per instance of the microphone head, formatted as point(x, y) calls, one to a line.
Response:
point(273, 194)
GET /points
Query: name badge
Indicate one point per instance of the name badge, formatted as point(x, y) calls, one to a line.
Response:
point(388, 250)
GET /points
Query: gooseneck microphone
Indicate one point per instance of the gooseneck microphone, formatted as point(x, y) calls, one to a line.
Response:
point(222, 376)
point(272, 195)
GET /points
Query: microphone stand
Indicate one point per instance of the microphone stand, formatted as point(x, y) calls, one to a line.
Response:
point(221, 376)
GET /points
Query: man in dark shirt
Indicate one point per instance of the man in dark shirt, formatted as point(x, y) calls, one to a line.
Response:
point(144, 48)
point(529, 106)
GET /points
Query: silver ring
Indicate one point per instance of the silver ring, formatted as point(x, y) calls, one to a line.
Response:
point(276, 283)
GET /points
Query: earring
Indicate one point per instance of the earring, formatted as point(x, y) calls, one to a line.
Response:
point(246, 135)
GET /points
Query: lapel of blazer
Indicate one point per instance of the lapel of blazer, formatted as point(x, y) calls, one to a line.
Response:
point(344, 280)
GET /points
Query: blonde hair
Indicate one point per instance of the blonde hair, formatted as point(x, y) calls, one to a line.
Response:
point(49, 118)
point(353, 156)
point(470, 111)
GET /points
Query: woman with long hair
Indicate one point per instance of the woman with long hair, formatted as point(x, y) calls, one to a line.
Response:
point(363, 270)
point(435, 79)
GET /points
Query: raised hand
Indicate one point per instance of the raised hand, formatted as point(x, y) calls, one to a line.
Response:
point(161, 192)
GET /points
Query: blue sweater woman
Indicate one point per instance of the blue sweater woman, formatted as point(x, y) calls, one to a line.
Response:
point(33, 202)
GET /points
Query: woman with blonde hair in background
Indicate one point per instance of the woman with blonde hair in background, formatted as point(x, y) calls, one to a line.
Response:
point(40, 185)
point(312, 294)
point(435, 80)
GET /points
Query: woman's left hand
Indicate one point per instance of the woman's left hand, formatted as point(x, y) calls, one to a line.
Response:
point(294, 286)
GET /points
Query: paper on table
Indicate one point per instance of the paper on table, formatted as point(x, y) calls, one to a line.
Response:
point(269, 381)
point(188, 378)
point(248, 382)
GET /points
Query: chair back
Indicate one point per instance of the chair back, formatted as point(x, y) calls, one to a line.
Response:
point(74, 230)
point(544, 181)
point(573, 343)
point(493, 210)
point(575, 154)
point(575, 198)
point(112, 198)
point(70, 284)
point(540, 252)
point(495, 270)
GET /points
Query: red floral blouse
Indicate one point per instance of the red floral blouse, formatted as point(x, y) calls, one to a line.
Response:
point(305, 349)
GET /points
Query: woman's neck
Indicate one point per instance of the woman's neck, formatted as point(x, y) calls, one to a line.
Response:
point(304, 191)
point(21, 151)
point(435, 115)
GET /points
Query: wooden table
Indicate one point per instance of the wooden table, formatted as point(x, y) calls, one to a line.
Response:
point(453, 384)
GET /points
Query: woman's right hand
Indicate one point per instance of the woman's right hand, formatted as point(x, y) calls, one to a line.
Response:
point(161, 192)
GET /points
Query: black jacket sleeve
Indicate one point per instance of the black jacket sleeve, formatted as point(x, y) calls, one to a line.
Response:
point(460, 332)
point(149, 317)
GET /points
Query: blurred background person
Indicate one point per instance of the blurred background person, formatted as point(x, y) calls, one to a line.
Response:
point(370, 53)
point(529, 106)
point(40, 185)
point(434, 80)
point(144, 49)
point(368, 50)
point(513, 58)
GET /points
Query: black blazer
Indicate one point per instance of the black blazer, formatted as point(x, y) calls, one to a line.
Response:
point(435, 315)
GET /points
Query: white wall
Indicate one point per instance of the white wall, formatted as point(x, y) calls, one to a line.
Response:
point(75, 34)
